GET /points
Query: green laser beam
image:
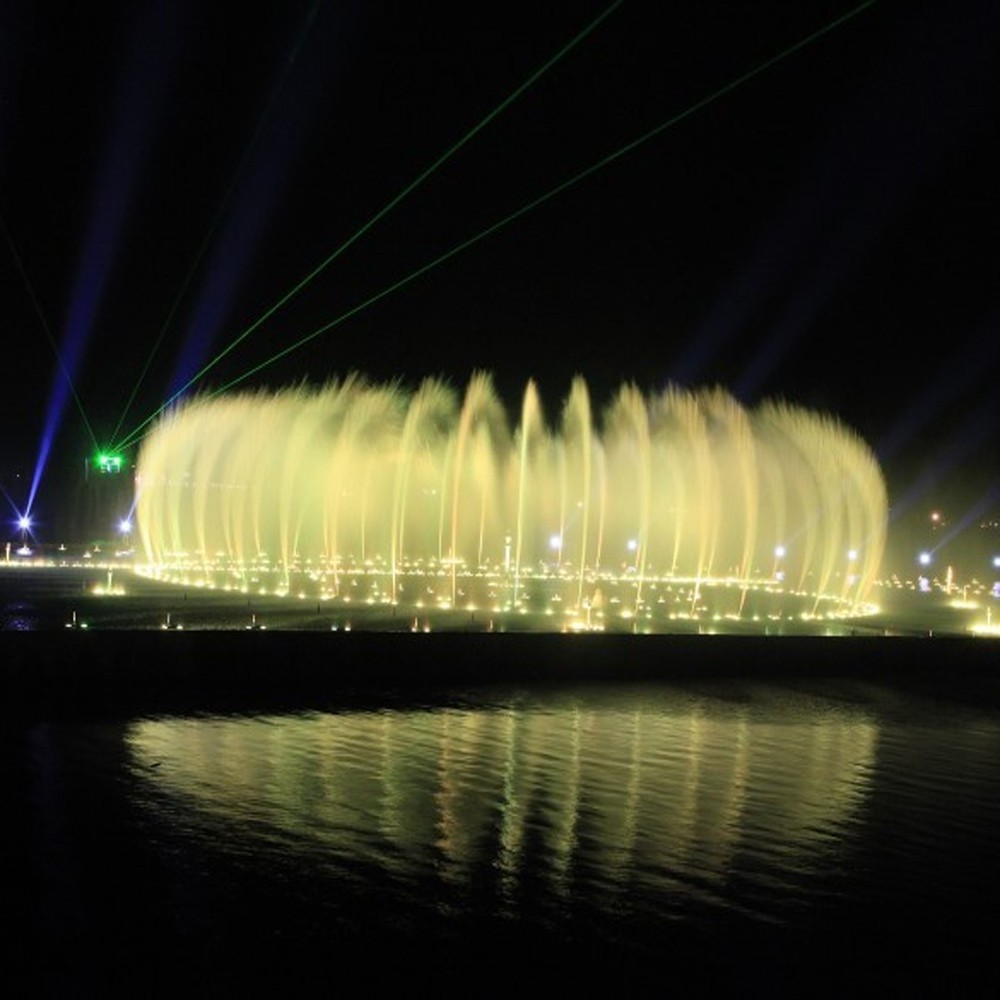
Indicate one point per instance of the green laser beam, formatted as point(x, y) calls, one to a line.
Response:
point(217, 218)
point(721, 92)
point(48, 332)
point(534, 203)
point(175, 305)
point(551, 193)
point(388, 207)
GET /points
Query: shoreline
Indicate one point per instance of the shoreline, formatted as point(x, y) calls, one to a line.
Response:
point(130, 671)
point(233, 652)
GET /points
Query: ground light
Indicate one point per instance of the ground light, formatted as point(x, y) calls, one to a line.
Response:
point(109, 462)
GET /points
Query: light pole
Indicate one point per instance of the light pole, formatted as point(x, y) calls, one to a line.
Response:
point(924, 559)
point(633, 546)
point(24, 523)
point(779, 554)
point(852, 558)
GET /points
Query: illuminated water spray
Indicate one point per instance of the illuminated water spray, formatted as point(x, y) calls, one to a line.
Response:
point(431, 494)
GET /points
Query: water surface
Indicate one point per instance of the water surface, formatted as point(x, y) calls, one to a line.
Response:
point(731, 832)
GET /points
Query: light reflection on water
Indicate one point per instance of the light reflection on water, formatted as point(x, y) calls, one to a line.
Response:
point(660, 800)
point(720, 830)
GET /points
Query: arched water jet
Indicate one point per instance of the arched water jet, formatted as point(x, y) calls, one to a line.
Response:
point(333, 473)
point(478, 421)
point(428, 416)
point(628, 424)
point(291, 501)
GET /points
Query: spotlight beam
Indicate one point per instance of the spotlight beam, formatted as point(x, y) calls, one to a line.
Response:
point(523, 210)
point(388, 207)
point(49, 430)
point(45, 327)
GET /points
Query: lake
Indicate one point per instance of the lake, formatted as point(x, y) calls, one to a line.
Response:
point(764, 814)
point(670, 836)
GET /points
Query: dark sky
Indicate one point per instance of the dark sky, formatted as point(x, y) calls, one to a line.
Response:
point(827, 231)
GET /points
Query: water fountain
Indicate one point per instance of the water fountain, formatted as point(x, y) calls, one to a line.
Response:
point(668, 504)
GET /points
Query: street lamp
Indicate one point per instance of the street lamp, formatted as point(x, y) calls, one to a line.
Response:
point(556, 543)
point(779, 554)
point(633, 547)
point(24, 523)
point(924, 558)
point(125, 530)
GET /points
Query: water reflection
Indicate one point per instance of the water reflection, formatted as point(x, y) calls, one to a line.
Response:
point(18, 616)
point(660, 793)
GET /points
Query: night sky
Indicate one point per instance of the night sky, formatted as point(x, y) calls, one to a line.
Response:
point(827, 231)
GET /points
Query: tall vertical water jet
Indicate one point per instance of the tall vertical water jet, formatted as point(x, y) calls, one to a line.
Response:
point(425, 426)
point(478, 440)
point(530, 437)
point(628, 428)
point(578, 446)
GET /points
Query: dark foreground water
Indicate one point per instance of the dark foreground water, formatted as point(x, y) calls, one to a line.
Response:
point(224, 812)
point(826, 837)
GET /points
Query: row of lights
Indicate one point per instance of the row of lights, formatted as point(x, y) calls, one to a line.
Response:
point(925, 558)
point(125, 527)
